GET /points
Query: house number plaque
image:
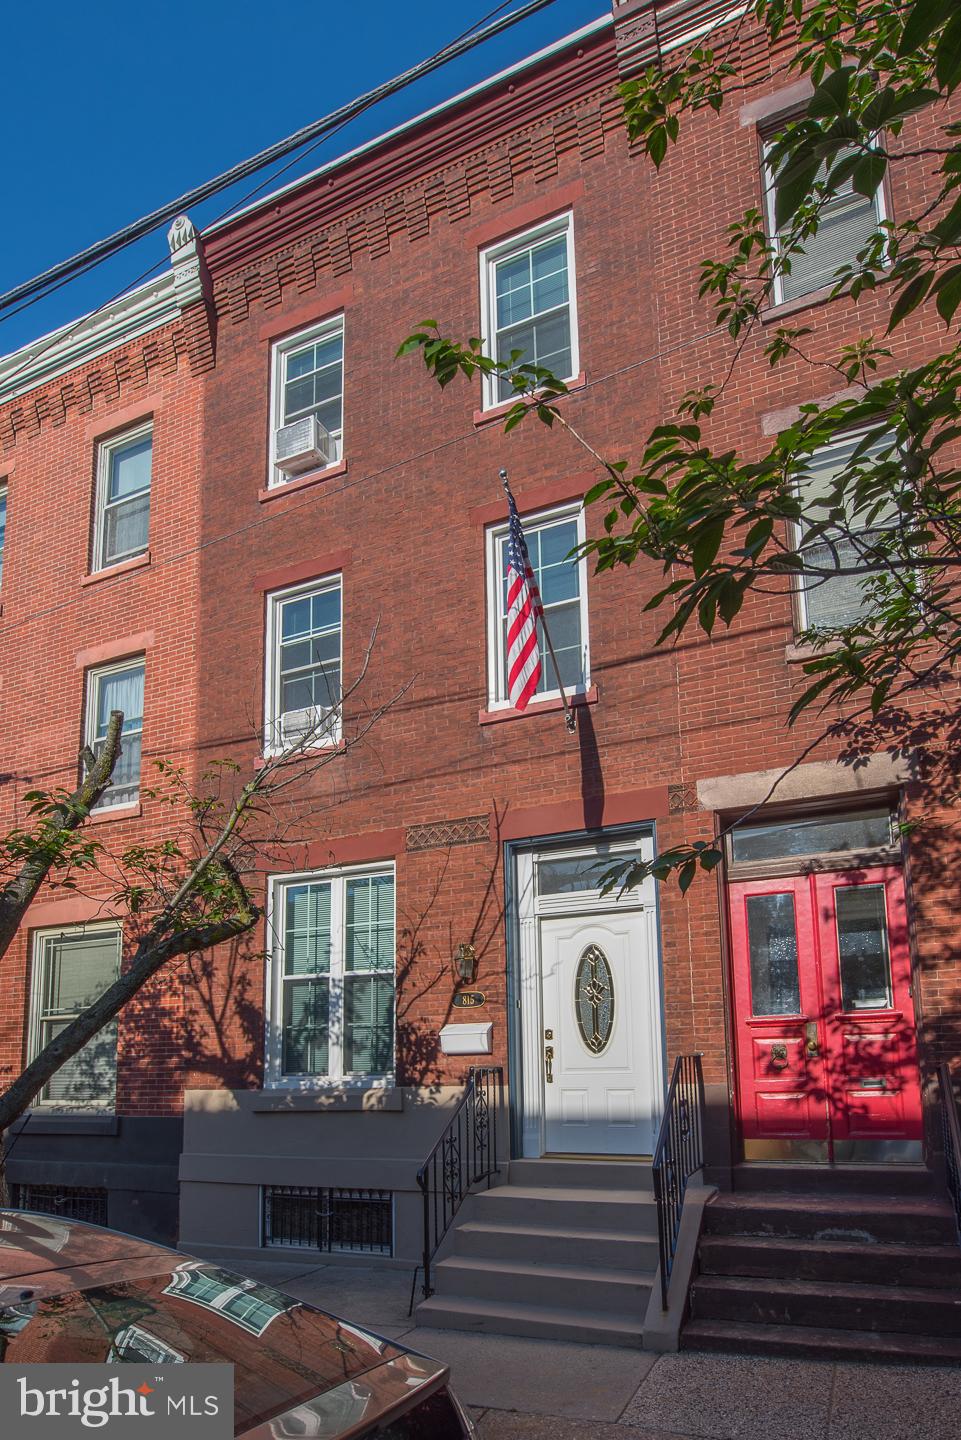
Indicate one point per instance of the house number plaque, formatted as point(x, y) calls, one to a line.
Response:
point(469, 999)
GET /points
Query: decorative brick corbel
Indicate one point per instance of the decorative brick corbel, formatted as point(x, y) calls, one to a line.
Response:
point(194, 292)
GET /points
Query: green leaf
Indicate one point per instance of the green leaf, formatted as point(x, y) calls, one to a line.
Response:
point(706, 545)
point(831, 98)
point(792, 188)
point(910, 297)
point(924, 19)
point(948, 289)
point(869, 172)
point(657, 145)
point(948, 55)
point(686, 875)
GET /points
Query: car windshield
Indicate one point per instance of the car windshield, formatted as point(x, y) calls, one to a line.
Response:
point(284, 1352)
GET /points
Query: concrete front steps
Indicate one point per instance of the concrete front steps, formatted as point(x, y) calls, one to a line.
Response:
point(850, 1264)
point(565, 1250)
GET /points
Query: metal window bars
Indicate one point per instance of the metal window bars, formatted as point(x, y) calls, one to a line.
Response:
point(678, 1154)
point(77, 1202)
point(336, 1221)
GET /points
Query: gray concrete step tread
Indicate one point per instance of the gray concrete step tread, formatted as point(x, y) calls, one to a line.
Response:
point(575, 1274)
point(829, 1289)
point(514, 1310)
point(552, 1232)
point(578, 1194)
point(802, 1339)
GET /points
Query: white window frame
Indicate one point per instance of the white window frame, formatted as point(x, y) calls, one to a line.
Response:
point(94, 677)
point(801, 621)
point(105, 452)
point(773, 231)
point(273, 738)
point(35, 1018)
point(5, 502)
point(489, 256)
point(337, 1078)
point(496, 662)
point(332, 325)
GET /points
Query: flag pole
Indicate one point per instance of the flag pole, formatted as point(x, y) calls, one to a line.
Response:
point(570, 718)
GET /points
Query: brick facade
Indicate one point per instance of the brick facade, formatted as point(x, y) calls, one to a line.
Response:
point(386, 238)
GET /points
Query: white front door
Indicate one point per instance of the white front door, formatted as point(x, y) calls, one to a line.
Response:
point(598, 1070)
point(588, 997)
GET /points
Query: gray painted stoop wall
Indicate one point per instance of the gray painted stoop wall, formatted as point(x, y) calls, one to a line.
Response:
point(564, 1250)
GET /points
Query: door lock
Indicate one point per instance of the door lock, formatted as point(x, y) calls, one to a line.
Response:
point(549, 1064)
point(811, 1043)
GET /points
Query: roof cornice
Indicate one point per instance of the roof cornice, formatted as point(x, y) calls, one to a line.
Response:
point(498, 108)
point(142, 310)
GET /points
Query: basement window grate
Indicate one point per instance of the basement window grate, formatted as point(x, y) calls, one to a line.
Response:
point(73, 1202)
point(337, 1221)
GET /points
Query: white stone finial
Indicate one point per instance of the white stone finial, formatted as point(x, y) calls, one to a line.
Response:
point(181, 234)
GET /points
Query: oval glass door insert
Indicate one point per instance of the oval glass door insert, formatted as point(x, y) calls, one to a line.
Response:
point(594, 999)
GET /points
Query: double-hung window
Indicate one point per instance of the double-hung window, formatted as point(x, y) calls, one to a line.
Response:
point(307, 405)
point(71, 969)
point(562, 583)
point(845, 224)
point(332, 999)
point(839, 599)
point(117, 687)
point(123, 497)
point(527, 290)
point(3, 526)
point(303, 666)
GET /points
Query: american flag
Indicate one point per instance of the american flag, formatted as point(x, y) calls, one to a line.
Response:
point(524, 608)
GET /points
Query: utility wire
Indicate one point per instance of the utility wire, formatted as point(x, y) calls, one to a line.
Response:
point(93, 254)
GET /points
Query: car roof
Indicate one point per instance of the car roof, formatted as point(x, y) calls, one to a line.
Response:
point(32, 1244)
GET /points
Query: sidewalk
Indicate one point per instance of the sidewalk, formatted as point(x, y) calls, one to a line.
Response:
point(553, 1390)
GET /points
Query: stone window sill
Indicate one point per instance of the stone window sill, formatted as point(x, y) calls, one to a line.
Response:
point(796, 654)
point(537, 707)
point(497, 412)
point(137, 562)
point(303, 482)
point(116, 812)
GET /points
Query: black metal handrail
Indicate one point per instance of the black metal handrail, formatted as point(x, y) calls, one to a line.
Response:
point(678, 1154)
point(465, 1154)
point(951, 1134)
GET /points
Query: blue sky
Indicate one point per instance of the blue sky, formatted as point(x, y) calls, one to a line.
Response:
point(112, 109)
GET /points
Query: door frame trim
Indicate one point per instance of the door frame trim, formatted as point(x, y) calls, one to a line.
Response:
point(519, 909)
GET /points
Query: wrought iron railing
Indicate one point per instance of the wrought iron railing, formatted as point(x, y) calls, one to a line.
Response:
point(951, 1134)
point(678, 1154)
point(464, 1156)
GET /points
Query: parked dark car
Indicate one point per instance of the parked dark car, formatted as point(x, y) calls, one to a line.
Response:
point(71, 1292)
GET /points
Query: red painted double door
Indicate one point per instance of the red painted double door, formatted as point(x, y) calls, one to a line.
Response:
point(826, 1042)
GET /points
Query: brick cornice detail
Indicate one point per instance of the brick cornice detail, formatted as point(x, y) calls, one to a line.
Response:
point(326, 248)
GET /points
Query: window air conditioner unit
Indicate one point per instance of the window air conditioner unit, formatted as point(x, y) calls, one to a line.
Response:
point(303, 445)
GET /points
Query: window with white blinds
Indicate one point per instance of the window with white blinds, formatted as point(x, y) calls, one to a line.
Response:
point(117, 687)
point(124, 467)
point(841, 599)
point(845, 225)
point(303, 666)
point(71, 969)
point(333, 977)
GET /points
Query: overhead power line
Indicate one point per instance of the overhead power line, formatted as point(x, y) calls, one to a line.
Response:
point(93, 254)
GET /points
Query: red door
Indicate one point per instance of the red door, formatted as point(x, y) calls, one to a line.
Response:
point(826, 1045)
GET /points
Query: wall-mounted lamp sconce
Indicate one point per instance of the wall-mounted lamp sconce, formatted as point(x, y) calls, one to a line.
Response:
point(465, 964)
